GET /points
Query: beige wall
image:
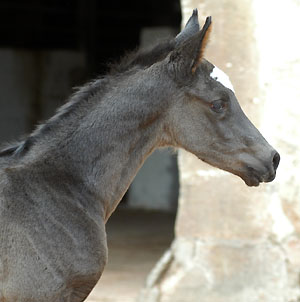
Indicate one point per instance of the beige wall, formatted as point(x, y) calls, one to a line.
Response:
point(234, 243)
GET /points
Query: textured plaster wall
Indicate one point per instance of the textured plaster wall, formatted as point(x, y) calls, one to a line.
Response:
point(234, 243)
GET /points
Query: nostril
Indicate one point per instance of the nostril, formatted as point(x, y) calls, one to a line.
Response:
point(276, 160)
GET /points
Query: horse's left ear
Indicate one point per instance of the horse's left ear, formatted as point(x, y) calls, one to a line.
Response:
point(185, 59)
point(191, 28)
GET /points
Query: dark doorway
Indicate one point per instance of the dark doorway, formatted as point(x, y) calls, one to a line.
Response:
point(102, 29)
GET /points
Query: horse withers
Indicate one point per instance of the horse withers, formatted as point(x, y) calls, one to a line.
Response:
point(59, 186)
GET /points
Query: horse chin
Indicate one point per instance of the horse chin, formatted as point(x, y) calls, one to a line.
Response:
point(251, 182)
point(253, 178)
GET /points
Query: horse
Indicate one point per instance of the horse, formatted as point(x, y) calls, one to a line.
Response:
point(59, 186)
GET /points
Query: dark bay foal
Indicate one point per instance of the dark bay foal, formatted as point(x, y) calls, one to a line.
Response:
point(60, 185)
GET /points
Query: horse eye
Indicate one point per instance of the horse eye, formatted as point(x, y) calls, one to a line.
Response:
point(218, 106)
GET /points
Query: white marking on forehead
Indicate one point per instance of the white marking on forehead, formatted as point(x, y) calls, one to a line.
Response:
point(220, 76)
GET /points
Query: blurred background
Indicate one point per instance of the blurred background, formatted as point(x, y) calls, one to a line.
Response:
point(229, 243)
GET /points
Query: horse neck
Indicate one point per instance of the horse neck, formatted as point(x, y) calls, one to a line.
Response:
point(107, 145)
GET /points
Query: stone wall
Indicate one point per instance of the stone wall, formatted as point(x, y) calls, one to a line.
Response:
point(234, 243)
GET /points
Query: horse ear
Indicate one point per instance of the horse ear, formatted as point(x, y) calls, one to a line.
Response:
point(186, 58)
point(204, 37)
point(191, 28)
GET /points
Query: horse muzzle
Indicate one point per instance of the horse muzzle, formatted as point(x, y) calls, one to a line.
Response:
point(254, 175)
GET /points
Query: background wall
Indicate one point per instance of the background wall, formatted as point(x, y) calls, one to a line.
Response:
point(234, 243)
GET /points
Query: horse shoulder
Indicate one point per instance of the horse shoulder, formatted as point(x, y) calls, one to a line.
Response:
point(46, 242)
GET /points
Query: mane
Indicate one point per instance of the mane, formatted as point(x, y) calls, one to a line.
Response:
point(143, 58)
point(132, 62)
point(82, 94)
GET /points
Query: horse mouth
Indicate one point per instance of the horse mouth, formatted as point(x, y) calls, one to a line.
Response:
point(253, 178)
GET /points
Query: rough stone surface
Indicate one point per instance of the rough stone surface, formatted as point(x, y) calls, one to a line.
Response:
point(234, 243)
